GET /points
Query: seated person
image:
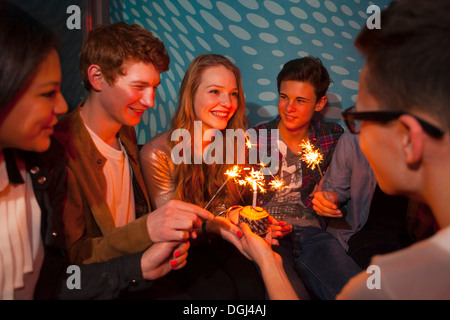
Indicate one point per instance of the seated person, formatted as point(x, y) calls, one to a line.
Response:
point(360, 215)
point(33, 257)
point(316, 255)
point(106, 213)
point(211, 100)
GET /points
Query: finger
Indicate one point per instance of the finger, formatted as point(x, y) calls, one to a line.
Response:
point(189, 219)
point(179, 265)
point(181, 249)
point(192, 208)
point(245, 229)
point(175, 262)
point(233, 229)
point(324, 207)
point(176, 235)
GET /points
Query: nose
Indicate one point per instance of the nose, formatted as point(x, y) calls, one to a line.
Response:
point(225, 100)
point(60, 105)
point(148, 98)
point(290, 106)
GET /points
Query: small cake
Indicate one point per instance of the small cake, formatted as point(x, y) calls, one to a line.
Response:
point(257, 218)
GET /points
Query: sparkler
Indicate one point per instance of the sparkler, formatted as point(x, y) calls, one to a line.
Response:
point(254, 178)
point(232, 174)
point(311, 156)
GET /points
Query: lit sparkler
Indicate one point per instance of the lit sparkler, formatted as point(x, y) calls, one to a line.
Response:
point(232, 173)
point(311, 156)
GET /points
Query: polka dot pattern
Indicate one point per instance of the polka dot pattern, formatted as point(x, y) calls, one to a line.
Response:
point(259, 36)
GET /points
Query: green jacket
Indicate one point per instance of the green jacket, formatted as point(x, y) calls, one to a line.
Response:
point(91, 235)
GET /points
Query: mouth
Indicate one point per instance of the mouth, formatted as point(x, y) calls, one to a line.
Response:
point(289, 118)
point(48, 130)
point(220, 114)
point(137, 111)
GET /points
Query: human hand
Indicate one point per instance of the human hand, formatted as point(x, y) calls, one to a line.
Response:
point(317, 188)
point(255, 247)
point(279, 229)
point(162, 257)
point(325, 204)
point(227, 230)
point(176, 221)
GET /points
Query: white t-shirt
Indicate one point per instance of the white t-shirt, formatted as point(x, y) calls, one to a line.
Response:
point(118, 175)
point(421, 271)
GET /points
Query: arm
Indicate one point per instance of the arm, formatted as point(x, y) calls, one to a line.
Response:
point(86, 243)
point(107, 280)
point(157, 169)
point(270, 264)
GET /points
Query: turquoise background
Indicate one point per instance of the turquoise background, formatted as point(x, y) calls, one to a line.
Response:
point(259, 37)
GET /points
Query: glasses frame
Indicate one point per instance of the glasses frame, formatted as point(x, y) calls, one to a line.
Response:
point(350, 115)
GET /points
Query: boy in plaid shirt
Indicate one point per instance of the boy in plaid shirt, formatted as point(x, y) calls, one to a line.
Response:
point(309, 251)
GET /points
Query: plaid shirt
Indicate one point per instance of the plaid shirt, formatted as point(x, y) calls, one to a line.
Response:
point(324, 136)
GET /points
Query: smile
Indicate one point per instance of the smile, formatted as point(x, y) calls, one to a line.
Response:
point(220, 114)
point(139, 111)
point(289, 118)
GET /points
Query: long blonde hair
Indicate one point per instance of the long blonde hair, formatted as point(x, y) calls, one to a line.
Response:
point(197, 183)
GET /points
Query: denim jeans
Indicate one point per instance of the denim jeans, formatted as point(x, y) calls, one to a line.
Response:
point(321, 262)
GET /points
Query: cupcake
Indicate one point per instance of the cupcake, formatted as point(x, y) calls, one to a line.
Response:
point(257, 218)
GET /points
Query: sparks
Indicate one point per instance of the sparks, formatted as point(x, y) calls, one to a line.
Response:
point(311, 156)
point(277, 184)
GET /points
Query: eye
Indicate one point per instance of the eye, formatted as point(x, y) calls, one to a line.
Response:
point(214, 91)
point(49, 94)
point(235, 94)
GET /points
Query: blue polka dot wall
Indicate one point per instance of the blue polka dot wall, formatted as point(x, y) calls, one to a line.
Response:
point(259, 37)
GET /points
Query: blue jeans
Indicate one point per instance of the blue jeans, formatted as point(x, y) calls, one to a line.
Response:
point(321, 262)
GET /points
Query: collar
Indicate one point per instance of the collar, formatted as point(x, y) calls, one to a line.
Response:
point(12, 169)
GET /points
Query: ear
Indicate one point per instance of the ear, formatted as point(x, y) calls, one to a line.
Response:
point(321, 103)
point(95, 77)
point(412, 139)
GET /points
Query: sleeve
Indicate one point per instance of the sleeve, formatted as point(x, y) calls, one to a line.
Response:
point(103, 280)
point(83, 248)
point(157, 170)
point(359, 288)
point(338, 175)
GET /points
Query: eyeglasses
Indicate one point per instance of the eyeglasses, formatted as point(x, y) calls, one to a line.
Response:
point(353, 120)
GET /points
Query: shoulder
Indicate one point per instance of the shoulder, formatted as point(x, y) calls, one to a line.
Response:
point(157, 146)
point(329, 127)
point(69, 128)
point(327, 133)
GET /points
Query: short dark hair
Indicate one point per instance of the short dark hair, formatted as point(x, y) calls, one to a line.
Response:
point(307, 69)
point(409, 57)
point(24, 43)
point(109, 46)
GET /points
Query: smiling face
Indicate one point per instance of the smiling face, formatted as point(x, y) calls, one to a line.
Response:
point(125, 101)
point(29, 125)
point(216, 98)
point(297, 104)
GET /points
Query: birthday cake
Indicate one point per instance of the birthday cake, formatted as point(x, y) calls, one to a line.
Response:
point(257, 218)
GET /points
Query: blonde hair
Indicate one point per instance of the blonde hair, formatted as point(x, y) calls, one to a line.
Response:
point(197, 183)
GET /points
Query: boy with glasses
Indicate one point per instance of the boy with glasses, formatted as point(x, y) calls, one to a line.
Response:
point(404, 118)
